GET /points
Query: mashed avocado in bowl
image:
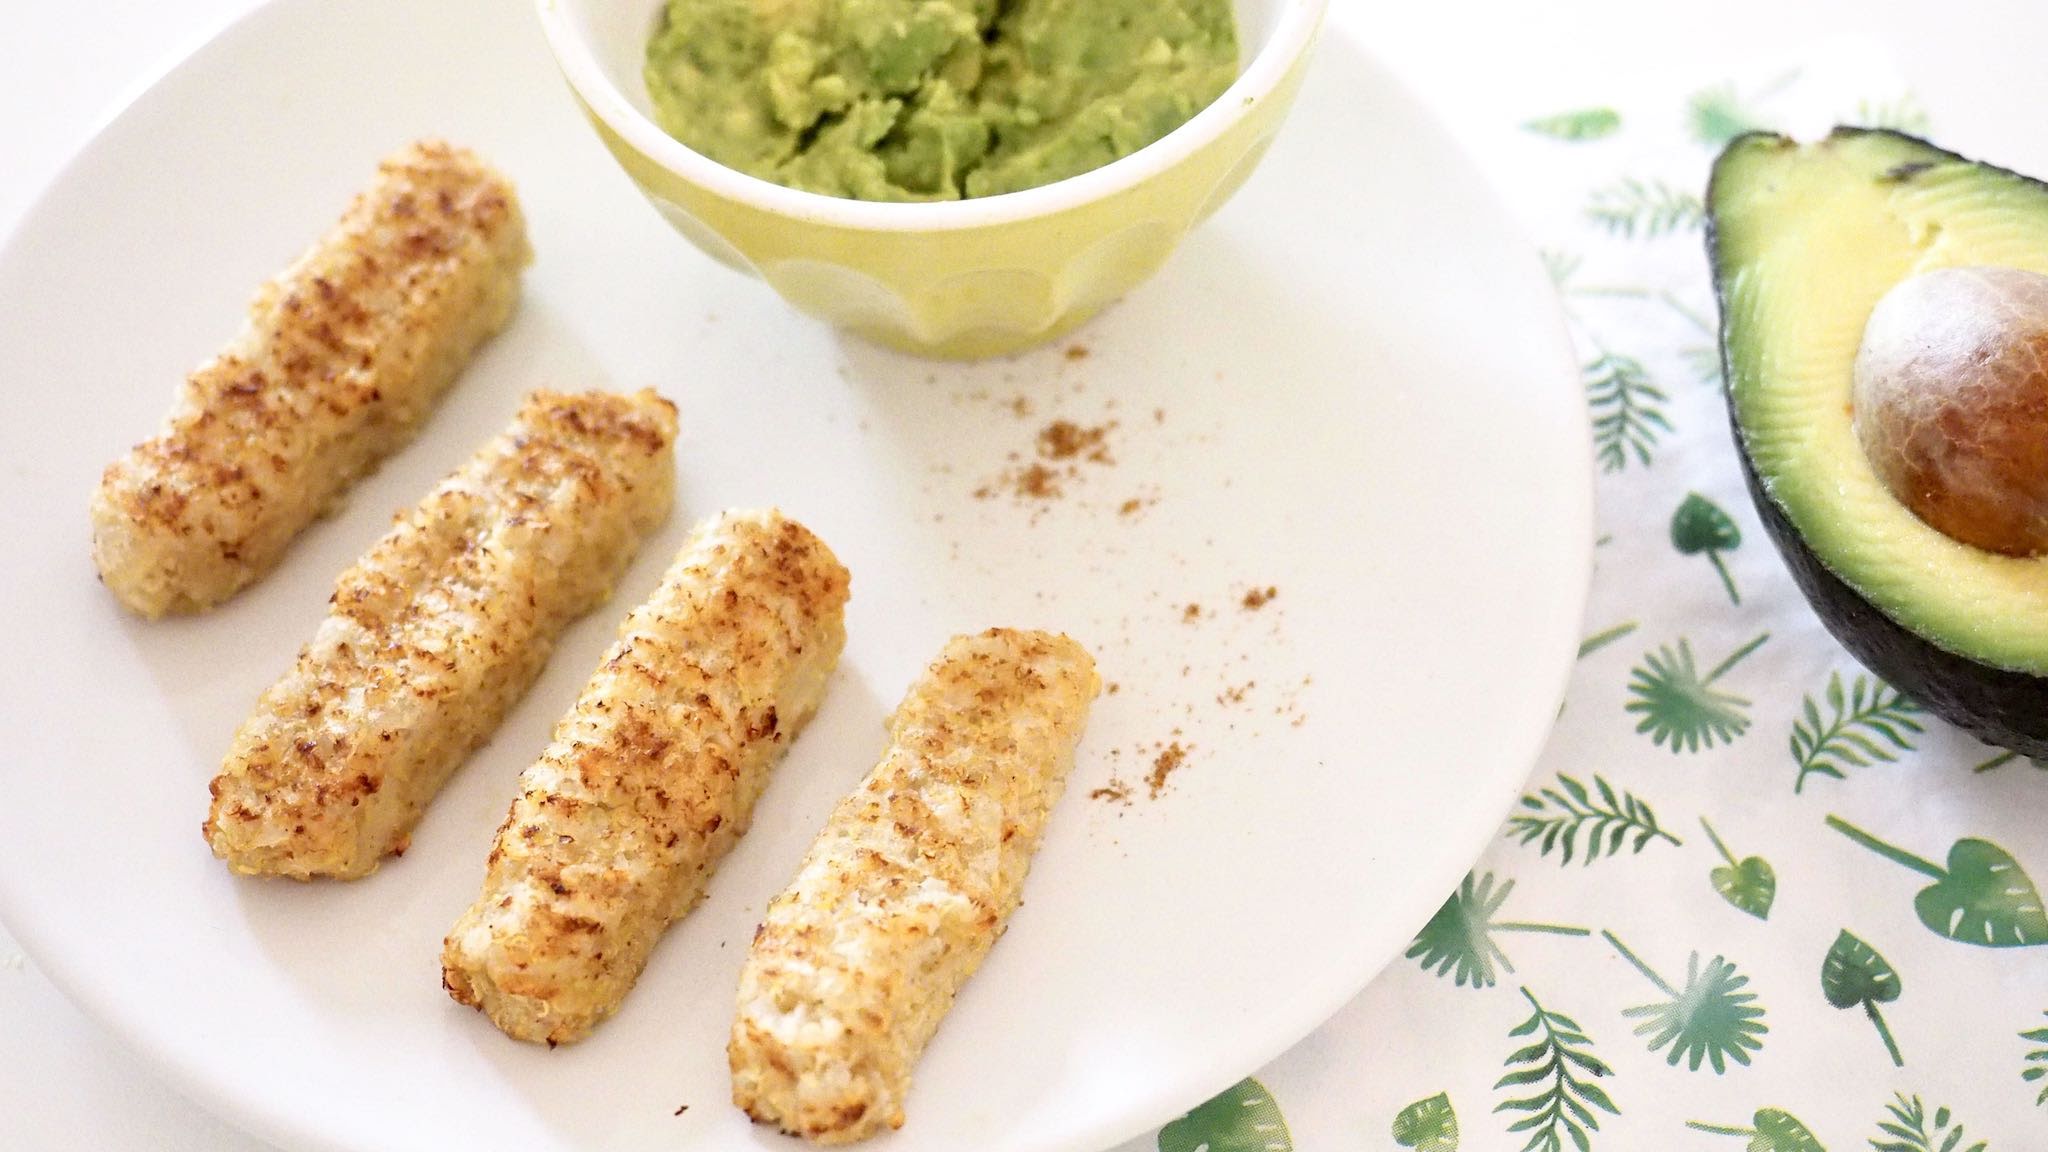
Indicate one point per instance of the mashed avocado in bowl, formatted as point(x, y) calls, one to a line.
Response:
point(909, 100)
point(957, 178)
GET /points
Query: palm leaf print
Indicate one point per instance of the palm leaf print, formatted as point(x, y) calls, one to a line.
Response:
point(1713, 1020)
point(1459, 938)
point(1909, 1128)
point(1682, 708)
point(1602, 639)
point(1719, 114)
point(1749, 883)
point(1591, 823)
point(1873, 723)
point(1561, 1060)
point(1852, 974)
point(1982, 897)
point(1771, 1130)
point(2037, 1060)
point(1428, 1125)
point(1652, 208)
point(1243, 1118)
point(1701, 528)
point(1580, 124)
point(1627, 409)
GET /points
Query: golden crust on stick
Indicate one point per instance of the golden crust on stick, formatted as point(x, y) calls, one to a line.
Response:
point(651, 777)
point(344, 355)
point(436, 631)
point(907, 887)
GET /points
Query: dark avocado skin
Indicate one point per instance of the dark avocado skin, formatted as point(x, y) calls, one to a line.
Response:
point(2001, 707)
point(2009, 709)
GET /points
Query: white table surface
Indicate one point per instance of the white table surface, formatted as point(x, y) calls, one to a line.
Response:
point(64, 1084)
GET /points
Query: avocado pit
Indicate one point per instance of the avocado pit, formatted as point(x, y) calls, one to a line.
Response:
point(1950, 403)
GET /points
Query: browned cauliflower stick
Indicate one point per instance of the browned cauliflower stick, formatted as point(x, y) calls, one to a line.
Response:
point(436, 631)
point(651, 777)
point(344, 355)
point(912, 880)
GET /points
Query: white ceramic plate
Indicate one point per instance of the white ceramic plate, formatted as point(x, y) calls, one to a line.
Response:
point(1365, 399)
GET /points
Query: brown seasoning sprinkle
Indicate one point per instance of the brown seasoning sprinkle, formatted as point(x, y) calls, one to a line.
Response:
point(1115, 792)
point(1066, 440)
point(1038, 482)
point(1164, 765)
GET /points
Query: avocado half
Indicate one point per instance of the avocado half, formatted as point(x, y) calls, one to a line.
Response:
point(1804, 239)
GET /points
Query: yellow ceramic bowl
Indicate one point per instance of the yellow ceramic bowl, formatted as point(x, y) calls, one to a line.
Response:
point(960, 279)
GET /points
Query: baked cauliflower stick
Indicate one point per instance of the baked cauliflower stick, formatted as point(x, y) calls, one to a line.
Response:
point(436, 631)
point(651, 777)
point(912, 880)
point(343, 356)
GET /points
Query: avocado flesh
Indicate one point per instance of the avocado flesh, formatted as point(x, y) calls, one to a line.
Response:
point(1804, 241)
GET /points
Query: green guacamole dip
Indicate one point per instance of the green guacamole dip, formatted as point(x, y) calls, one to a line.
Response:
point(933, 99)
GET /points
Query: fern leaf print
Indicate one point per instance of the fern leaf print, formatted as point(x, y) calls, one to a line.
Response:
point(2035, 1070)
point(1627, 410)
point(1645, 208)
point(1870, 723)
point(1592, 822)
point(1559, 1065)
point(1909, 1127)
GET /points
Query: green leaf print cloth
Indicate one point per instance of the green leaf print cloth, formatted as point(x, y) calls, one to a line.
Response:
point(1752, 897)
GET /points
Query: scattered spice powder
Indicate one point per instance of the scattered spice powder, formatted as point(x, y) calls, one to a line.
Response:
point(1038, 482)
point(1065, 440)
point(1290, 708)
point(1169, 759)
point(1061, 441)
point(1115, 792)
point(1055, 463)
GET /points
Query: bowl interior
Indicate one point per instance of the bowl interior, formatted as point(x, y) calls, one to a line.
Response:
point(616, 32)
